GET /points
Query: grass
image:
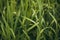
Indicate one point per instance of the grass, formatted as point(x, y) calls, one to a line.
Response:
point(29, 20)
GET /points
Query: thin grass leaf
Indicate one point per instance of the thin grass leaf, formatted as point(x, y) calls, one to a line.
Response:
point(3, 31)
point(38, 37)
point(12, 32)
point(26, 35)
point(33, 26)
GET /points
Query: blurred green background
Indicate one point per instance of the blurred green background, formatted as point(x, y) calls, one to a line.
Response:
point(29, 19)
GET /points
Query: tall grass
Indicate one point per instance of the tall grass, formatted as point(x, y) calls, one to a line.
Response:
point(29, 20)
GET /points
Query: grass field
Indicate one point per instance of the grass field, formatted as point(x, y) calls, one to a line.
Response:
point(29, 19)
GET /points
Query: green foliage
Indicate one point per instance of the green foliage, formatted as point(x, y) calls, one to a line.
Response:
point(29, 20)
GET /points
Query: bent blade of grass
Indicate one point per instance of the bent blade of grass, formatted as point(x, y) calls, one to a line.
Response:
point(29, 19)
point(38, 37)
point(56, 25)
point(5, 21)
point(26, 35)
point(53, 17)
point(12, 32)
point(3, 31)
point(52, 22)
point(32, 22)
point(33, 26)
point(8, 27)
